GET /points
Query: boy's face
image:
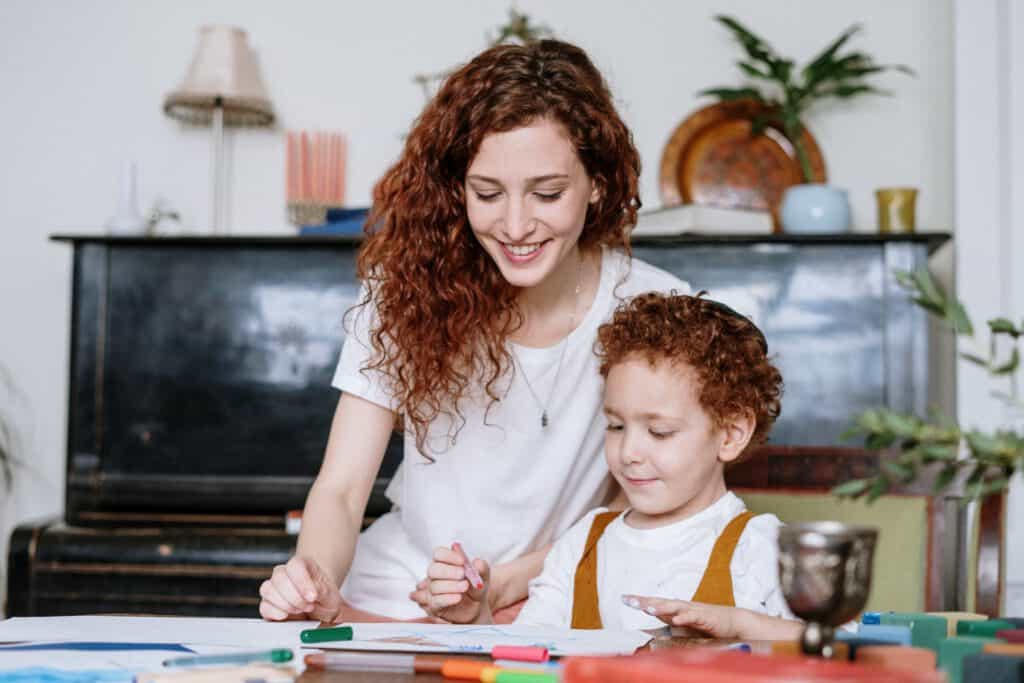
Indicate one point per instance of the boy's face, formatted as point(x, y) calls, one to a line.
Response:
point(661, 446)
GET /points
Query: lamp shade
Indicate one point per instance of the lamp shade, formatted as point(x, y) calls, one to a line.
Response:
point(223, 72)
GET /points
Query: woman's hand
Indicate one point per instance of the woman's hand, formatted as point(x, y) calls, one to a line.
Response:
point(299, 590)
point(447, 594)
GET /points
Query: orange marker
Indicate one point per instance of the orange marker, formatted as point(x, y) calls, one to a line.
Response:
point(471, 573)
point(465, 669)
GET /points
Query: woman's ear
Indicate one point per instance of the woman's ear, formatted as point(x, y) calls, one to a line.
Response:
point(736, 433)
point(595, 192)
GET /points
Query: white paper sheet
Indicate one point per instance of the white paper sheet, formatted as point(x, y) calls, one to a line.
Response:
point(247, 633)
point(259, 634)
point(113, 660)
point(404, 637)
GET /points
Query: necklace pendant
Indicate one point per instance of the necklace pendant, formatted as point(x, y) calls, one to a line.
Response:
point(544, 419)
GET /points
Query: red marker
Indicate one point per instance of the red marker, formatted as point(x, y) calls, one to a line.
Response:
point(471, 573)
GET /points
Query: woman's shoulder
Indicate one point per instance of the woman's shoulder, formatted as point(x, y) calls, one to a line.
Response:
point(634, 276)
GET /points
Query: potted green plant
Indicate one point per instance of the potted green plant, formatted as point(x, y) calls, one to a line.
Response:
point(981, 462)
point(788, 92)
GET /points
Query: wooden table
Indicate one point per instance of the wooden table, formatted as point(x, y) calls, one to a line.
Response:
point(657, 643)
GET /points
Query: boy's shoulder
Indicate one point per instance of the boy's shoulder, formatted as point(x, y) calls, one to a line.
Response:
point(586, 521)
point(762, 534)
point(575, 537)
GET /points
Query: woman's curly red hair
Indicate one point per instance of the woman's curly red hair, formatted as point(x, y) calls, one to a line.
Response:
point(726, 350)
point(445, 310)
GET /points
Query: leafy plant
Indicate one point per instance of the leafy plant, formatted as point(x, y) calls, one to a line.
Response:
point(988, 460)
point(788, 91)
point(518, 29)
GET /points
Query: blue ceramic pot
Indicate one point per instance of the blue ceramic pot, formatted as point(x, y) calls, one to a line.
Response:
point(815, 209)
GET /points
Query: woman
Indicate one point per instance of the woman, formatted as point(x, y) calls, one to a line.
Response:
point(501, 244)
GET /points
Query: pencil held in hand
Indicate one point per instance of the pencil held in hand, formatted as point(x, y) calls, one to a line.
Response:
point(467, 564)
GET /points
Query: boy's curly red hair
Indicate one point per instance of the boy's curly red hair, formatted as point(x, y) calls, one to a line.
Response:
point(726, 350)
point(445, 310)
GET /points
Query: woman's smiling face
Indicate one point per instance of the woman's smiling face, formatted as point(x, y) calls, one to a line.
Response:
point(527, 195)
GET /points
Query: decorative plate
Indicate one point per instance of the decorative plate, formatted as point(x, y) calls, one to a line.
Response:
point(712, 159)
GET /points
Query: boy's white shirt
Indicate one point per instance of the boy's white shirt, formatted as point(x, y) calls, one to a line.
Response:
point(507, 486)
point(667, 562)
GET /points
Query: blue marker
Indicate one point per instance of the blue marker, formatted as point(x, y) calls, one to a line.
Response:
point(742, 647)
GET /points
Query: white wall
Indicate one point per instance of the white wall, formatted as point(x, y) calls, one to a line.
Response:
point(81, 86)
point(989, 218)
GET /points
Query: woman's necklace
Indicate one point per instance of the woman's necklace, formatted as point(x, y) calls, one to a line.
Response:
point(561, 356)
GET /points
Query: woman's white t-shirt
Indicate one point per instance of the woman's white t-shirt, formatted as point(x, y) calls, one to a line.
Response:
point(505, 485)
point(667, 562)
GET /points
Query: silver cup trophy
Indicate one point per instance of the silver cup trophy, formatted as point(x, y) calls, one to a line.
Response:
point(825, 572)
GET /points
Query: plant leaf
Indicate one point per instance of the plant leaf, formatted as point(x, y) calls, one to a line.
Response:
point(901, 471)
point(878, 488)
point(1010, 366)
point(901, 425)
point(928, 288)
point(828, 54)
point(757, 48)
point(1004, 326)
point(905, 278)
point(759, 123)
point(852, 488)
point(977, 360)
point(993, 486)
point(730, 94)
point(753, 71)
point(985, 445)
point(879, 441)
point(846, 91)
point(957, 316)
point(934, 451)
point(945, 478)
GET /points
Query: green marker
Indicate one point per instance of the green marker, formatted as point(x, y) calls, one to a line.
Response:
point(525, 677)
point(326, 635)
point(273, 656)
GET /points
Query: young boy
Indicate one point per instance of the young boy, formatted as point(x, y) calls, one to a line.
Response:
point(688, 389)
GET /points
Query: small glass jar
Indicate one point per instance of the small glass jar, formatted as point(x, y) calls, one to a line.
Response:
point(896, 209)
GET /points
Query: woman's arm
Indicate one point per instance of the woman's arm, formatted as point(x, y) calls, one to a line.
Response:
point(510, 581)
point(333, 515)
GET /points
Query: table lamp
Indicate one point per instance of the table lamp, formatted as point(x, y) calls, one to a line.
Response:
point(222, 87)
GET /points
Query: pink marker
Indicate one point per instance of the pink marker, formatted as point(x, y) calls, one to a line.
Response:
point(520, 653)
point(471, 573)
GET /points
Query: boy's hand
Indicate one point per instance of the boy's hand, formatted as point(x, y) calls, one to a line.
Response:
point(714, 621)
point(299, 589)
point(446, 593)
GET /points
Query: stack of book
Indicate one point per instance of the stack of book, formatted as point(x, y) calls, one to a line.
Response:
point(704, 220)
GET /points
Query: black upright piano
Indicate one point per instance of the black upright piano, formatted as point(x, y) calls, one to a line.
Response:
point(200, 399)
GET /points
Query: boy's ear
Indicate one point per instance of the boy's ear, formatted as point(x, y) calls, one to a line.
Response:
point(737, 433)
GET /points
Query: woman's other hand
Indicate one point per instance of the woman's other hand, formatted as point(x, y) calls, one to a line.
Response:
point(299, 590)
